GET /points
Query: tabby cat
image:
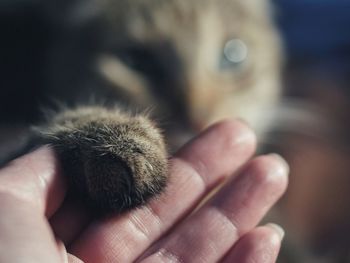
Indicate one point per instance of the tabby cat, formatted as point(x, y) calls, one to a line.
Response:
point(184, 63)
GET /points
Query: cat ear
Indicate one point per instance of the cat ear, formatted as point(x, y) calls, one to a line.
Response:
point(72, 13)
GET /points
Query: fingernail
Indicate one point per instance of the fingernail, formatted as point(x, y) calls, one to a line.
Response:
point(245, 135)
point(278, 229)
point(281, 160)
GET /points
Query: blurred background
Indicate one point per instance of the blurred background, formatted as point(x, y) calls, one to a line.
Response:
point(315, 209)
point(316, 33)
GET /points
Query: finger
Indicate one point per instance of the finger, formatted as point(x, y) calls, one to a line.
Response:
point(260, 245)
point(36, 179)
point(235, 210)
point(194, 171)
point(70, 220)
point(25, 234)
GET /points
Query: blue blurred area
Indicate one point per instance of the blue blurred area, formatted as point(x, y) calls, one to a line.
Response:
point(315, 27)
point(317, 37)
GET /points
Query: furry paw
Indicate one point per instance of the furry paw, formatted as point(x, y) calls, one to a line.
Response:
point(115, 161)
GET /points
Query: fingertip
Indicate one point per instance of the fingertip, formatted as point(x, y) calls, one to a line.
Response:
point(232, 133)
point(230, 138)
point(222, 148)
point(278, 231)
point(238, 131)
point(270, 170)
point(281, 161)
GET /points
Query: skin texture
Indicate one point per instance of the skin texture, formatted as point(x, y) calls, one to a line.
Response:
point(33, 188)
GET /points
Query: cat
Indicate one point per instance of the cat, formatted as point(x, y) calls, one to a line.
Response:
point(184, 63)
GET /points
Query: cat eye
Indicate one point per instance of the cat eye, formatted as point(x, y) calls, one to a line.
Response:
point(234, 54)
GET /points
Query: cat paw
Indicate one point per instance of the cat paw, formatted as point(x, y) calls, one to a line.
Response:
point(115, 161)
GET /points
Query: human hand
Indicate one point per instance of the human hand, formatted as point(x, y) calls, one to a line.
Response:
point(37, 225)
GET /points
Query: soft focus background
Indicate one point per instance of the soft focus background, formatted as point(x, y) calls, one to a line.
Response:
point(315, 209)
point(314, 136)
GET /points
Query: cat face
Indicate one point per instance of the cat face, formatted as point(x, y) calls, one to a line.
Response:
point(193, 62)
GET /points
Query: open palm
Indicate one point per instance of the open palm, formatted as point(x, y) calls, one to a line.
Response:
point(37, 223)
